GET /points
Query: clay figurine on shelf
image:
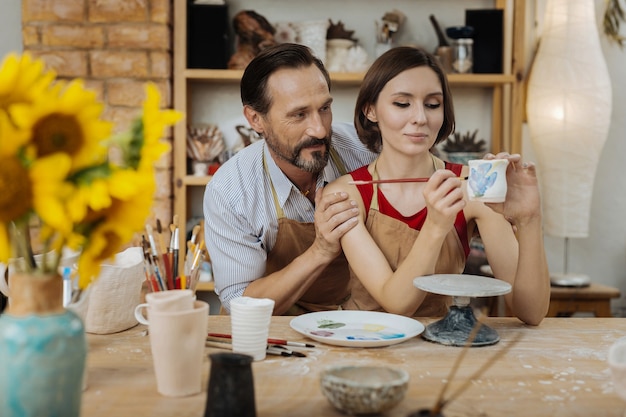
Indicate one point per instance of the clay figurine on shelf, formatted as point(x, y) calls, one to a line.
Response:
point(254, 33)
point(343, 54)
point(338, 31)
point(205, 143)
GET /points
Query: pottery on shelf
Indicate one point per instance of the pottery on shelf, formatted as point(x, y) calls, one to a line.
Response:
point(312, 33)
point(337, 54)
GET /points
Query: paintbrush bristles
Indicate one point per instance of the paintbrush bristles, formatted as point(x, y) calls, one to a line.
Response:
point(161, 242)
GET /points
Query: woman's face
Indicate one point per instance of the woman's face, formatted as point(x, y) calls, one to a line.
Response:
point(409, 110)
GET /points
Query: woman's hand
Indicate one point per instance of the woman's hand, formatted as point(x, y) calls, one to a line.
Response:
point(522, 203)
point(444, 199)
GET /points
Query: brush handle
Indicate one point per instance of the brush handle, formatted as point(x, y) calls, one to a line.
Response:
point(392, 181)
point(440, 36)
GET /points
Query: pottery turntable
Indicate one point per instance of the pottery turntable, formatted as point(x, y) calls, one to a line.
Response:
point(455, 328)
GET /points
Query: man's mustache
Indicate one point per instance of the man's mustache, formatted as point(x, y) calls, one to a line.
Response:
point(313, 142)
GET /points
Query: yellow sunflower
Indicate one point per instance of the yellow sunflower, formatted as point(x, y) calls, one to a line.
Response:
point(15, 199)
point(131, 194)
point(22, 79)
point(154, 122)
point(103, 242)
point(51, 191)
point(66, 119)
point(11, 138)
point(55, 167)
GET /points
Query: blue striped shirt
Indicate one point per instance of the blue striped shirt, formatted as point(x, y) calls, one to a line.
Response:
point(240, 218)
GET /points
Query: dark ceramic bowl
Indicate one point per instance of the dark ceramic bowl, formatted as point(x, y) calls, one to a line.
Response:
point(460, 32)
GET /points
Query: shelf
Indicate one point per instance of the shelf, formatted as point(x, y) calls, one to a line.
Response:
point(353, 78)
point(196, 180)
point(506, 96)
point(205, 286)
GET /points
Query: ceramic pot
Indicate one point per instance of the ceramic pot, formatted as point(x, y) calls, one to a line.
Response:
point(337, 54)
point(231, 386)
point(42, 350)
point(463, 157)
point(312, 33)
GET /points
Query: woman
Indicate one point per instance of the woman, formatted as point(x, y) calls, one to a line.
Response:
point(409, 229)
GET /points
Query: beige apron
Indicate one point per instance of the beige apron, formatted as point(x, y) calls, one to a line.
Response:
point(332, 287)
point(395, 239)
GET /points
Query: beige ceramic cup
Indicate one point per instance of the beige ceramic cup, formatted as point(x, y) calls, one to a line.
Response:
point(487, 180)
point(177, 343)
point(170, 300)
point(617, 364)
point(250, 322)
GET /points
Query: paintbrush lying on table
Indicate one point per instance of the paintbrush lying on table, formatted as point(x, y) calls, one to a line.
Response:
point(277, 350)
point(271, 341)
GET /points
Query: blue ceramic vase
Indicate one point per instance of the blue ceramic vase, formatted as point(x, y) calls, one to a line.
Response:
point(42, 351)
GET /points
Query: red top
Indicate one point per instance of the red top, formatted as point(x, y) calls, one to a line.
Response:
point(415, 221)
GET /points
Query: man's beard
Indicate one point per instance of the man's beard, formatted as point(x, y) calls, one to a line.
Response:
point(293, 156)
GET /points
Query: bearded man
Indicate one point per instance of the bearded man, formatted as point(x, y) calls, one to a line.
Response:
point(269, 231)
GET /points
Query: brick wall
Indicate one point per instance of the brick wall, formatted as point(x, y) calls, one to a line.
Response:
point(115, 46)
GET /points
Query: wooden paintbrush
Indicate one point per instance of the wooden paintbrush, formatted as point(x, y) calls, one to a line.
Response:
point(392, 181)
point(159, 270)
point(441, 401)
point(175, 245)
point(167, 265)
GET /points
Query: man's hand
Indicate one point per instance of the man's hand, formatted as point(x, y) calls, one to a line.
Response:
point(335, 215)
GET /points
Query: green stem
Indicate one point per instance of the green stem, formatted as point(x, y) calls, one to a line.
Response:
point(23, 249)
point(613, 16)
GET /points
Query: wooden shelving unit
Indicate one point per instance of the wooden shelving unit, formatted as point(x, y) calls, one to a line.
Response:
point(507, 98)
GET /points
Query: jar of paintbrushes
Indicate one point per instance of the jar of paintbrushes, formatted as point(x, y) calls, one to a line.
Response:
point(167, 267)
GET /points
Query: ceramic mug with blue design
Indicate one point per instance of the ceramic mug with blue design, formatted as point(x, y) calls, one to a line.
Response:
point(487, 180)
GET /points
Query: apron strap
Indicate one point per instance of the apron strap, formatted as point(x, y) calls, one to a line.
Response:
point(437, 164)
point(337, 160)
point(279, 210)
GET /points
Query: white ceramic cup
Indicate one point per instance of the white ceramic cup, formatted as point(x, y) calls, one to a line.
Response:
point(487, 180)
point(162, 301)
point(177, 344)
point(617, 364)
point(250, 322)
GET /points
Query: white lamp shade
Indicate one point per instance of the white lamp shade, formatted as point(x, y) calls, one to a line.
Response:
point(569, 112)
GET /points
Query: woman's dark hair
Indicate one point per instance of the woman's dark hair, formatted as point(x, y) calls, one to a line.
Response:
point(386, 67)
point(285, 55)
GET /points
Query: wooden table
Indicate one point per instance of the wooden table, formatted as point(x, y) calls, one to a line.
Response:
point(557, 369)
point(595, 298)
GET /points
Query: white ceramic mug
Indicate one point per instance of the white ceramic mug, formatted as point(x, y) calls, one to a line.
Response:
point(177, 344)
point(68, 259)
point(165, 301)
point(487, 180)
point(617, 364)
point(250, 321)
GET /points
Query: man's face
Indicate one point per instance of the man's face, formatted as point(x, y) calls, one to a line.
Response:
point(297, 128)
